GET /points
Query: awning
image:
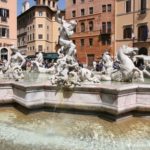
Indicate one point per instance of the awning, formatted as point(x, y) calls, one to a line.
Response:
point(50, 56)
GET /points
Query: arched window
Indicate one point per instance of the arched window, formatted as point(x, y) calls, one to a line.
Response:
point(82, 27)
point(4, 54)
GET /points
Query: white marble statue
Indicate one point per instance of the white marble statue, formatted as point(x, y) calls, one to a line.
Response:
point(68, 73)
point(13, 68)
point(39, 59)
point(127, 70)
point(68, 48)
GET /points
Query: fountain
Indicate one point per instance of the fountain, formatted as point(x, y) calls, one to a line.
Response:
point(78, 88)
point(67, 87)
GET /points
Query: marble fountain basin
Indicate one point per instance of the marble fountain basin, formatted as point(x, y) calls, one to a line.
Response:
point(44, 130)
point(113, 100)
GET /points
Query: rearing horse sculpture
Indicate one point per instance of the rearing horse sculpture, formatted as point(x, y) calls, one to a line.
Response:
point(127, 68)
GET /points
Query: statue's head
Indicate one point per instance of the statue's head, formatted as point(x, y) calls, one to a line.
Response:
point(73, 23)
point(14, 49)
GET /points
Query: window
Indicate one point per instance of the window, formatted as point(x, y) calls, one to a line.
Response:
point(4, 0)
point(74, 30)
point(40, 36)
point(40, 25)
point(53, 4)
point(30, 37)
point(103, 8)
point(127, 32)
point(40, 13)
point(108, 27)
point(91, 26)
point(143, 6)
point(82, 1)
point(142, 33)
point(43, 2)
point(48, 37)
point(90, 42)
point(49, 3)
point(128, 6)
point(4, 14)
point(73, 13)
point(73, 1)
point(82, 27)
point(106, 39)
point(82, 42)
point(109, 7)
point(40, 47)
point(4, 32)
point(103, 27)
point(82, 12)
point(33, 36)
point(91, 10)
point(74, 42)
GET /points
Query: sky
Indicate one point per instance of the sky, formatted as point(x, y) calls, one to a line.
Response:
point(61, 4)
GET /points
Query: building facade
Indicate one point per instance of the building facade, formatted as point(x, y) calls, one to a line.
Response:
point(8, 27)
point(37, 28)
point(132, 24)
point(95, 27)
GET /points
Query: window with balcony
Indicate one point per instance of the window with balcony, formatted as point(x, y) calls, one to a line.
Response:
point(82, 12)
point(143, 32)
point(91, 10)
point(143, 6)
point(128, 6)
point(127, 32)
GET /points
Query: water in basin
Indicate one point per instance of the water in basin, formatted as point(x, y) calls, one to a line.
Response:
point(46, 130)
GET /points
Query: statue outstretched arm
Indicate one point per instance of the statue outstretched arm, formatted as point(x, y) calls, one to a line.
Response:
point(22, 59)
point(58, 18)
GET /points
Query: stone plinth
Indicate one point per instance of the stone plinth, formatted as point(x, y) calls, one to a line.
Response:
point(111, 99)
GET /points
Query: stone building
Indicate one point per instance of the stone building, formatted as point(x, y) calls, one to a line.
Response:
point(37, 28)
point(95, 30)
point(132, 24)
point(8, 27)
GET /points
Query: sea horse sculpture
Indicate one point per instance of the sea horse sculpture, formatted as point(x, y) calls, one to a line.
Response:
point(127, 70)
